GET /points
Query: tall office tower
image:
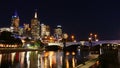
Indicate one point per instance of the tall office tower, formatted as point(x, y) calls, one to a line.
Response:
point(26, 30)
point(58, 32)
point(15, 23)
point(35, 27)
point(45, 30)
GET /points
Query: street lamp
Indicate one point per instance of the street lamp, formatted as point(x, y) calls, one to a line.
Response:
point(72, 37)
point(95, 36)
point(91, 34)
point(65, 36)
point(90, 41)
point(89, 38)
point(96, 39)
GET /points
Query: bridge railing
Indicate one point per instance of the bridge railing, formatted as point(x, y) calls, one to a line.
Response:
point(86, 43)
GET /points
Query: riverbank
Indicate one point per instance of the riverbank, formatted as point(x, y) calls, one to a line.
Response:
point(93, 59)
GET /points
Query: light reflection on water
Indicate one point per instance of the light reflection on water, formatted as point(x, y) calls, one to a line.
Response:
point(51, 59)
point(36, 59)
point(0, 59)
point(12, 57)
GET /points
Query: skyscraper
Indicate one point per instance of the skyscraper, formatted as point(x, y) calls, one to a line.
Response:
point(45, 30)
point(58, 32)
point(35, 27)
point(15, 22)
point(26, 30)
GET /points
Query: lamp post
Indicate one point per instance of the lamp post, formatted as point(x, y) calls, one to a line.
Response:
point(65, 36)
point(90, 41)
point(92, 37)
point(96, 37)
point(72, 38)
point(90, 44)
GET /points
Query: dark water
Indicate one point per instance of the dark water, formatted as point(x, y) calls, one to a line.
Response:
point(110, 59)
point(49, 59)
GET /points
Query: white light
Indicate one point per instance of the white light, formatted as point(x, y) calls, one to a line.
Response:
point(82, 42)
point(96, 40)
point(28, 44)
point(90, 38)
point(59, 26)
point(0, 58)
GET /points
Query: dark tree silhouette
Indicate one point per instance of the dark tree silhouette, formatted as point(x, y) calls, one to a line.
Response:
point(8, 38)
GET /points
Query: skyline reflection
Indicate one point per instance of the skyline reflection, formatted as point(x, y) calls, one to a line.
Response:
point(36, 59)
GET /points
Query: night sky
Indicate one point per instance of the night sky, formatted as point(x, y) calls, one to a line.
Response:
point(78, 17)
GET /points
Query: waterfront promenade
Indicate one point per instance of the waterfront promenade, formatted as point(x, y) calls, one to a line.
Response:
point(91, 62)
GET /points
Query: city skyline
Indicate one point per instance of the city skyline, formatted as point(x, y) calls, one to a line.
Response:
point(76, 17)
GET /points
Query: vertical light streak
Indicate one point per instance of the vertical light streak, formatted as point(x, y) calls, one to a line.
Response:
point(0, 59)
point(45, 63)
point(67, 62)
point(12, 57)
point(38, 60)
point(22, 55)
point(73, 61)
point(27, 58)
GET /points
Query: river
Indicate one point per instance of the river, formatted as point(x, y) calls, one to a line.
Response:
point(45, 59)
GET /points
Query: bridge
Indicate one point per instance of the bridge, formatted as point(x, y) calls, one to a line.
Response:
point(87, 43)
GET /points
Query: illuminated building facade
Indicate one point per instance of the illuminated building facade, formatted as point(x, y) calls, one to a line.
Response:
point(5, 29)
point(45, 30)
point(34, 30)
point(15, 23)
point(35, 27)
point(26, 30)
point(58, 32)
